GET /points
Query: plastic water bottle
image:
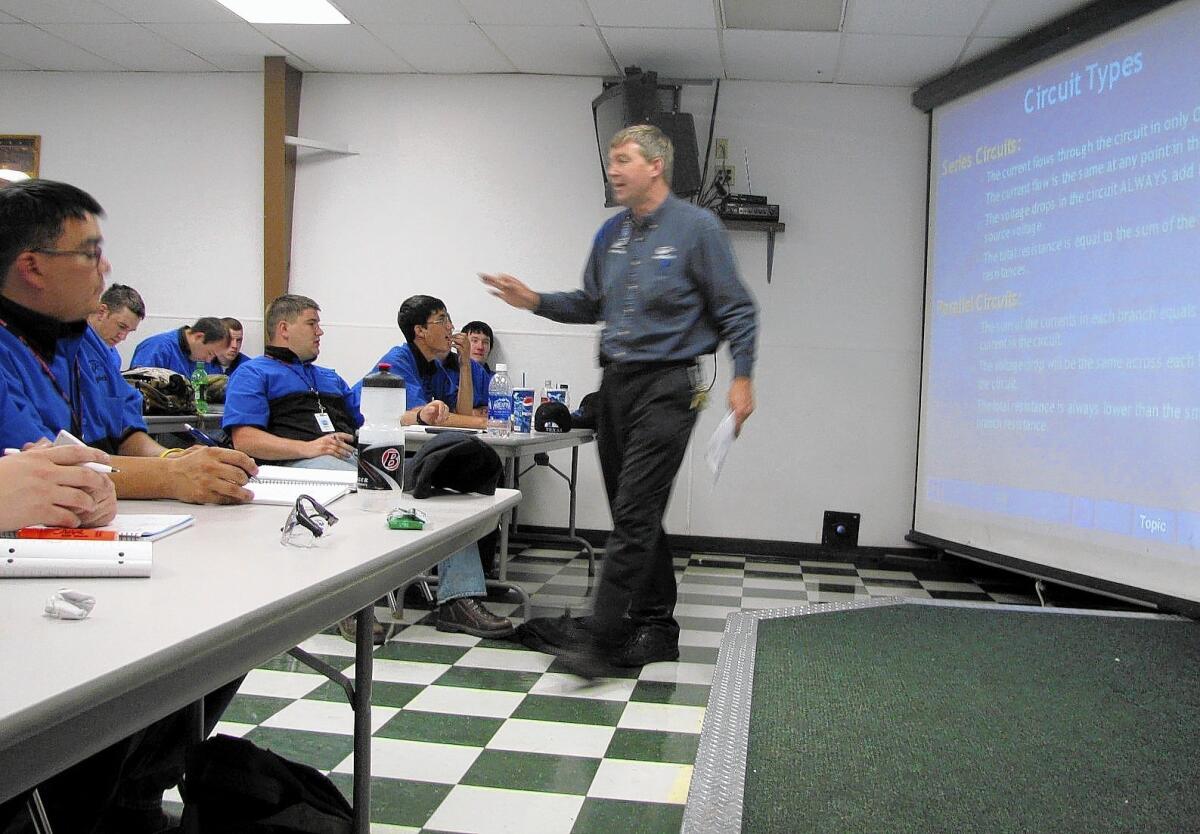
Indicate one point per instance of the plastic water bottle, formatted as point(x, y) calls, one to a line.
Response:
point(381, 439)
point(199, 384)
point(499, 417)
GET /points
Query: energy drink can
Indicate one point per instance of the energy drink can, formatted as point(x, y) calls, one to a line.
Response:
point(522, 411)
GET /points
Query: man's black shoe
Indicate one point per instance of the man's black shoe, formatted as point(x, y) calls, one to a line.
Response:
point(647, 645)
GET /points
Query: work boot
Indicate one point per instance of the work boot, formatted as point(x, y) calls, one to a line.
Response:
point(379, 632)
point(647, 644)
point(469, 616)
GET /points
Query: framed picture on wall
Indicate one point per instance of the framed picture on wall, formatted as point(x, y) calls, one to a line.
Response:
point(21, 153)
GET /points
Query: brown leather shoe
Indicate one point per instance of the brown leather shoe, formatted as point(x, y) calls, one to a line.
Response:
point(469, 616)
point(379, 632)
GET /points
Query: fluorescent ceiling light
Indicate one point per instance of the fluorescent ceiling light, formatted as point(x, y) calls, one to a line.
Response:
point(784, 15)
point(284, 11)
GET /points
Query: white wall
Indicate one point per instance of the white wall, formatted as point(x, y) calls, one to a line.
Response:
point(176, 161)
point(457, 175)
point(462, 174)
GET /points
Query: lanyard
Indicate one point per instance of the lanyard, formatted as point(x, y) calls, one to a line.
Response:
point(312, 387)
point(71, 401)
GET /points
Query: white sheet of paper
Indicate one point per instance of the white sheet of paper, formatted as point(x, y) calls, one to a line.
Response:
point(719, 444)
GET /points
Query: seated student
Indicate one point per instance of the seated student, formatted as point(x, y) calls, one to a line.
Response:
point(55, 372)
point(121, 311)
point(481, 340)
point(230, 359)
point(282, 408)
point(432, 359)
point(180, 349)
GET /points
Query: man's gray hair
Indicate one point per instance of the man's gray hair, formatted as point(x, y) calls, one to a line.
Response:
point(287, 308)
point(652, 142)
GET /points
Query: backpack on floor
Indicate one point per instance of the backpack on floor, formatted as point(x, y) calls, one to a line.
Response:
point(230, 786)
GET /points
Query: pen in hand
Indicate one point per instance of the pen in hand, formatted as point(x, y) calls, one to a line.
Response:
point(199, 435)
point(102, 468)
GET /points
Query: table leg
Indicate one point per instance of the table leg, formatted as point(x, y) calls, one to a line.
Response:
point(363, 661)
point(510, 468)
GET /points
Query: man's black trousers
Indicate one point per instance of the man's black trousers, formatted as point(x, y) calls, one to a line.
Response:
point(645, 419)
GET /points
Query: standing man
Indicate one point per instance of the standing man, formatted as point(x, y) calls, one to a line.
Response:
point(662, 277)
point(180, 350)
point(121, 312)
point(230, 359)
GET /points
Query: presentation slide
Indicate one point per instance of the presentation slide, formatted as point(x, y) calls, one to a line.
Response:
point(1060, 415)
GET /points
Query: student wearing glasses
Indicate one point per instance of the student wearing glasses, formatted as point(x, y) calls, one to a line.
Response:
point(55, 370)
point(55, 373)
point(436, 365)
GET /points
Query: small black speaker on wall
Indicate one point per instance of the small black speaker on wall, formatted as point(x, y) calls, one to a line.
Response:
point(840, 530)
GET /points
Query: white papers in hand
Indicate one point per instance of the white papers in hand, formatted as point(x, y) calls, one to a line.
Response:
point(719, 443)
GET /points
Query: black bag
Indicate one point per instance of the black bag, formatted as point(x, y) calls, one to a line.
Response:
point(163, 391)
point(232, 787)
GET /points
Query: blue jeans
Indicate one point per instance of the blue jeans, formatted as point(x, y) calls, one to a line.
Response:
point(459, 575)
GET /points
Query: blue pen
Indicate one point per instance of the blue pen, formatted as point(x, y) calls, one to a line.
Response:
point(199, 435)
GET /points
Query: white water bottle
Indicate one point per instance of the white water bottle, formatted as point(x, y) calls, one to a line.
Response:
point(381, 440)
point(499, 416)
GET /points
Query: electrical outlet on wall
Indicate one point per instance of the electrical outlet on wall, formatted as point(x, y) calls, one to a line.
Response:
point(724, 175)
point(722, 149)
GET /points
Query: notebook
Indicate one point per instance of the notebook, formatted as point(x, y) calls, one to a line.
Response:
point(284, 484)
point(40, 553)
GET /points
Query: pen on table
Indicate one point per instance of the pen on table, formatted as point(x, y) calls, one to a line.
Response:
point(199, 435)
point(102, 468)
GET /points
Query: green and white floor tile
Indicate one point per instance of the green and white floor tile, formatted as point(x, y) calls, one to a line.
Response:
point(486, 736)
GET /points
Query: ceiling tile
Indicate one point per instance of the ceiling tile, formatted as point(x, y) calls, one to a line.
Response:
point(1013, 19)
point(895, 60)
point(553, 50)
point(783, 15)
point(45, 52)
point(904, 17)
point(402, 11)
point(781, 56)
point(335, 48)
point(7, 63)
point(130, 45)
point(443, 49)
point(529, 12)
point(980, 46)
point(60, 11)
point(234, 47)
point(171, 11)
point(678, 14)
point(672, 53)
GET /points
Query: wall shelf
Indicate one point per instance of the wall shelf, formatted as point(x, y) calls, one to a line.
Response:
point(313, 144)
point(759, 226)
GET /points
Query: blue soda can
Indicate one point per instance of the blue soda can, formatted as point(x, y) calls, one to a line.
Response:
point(558, 395)
point(522, 410)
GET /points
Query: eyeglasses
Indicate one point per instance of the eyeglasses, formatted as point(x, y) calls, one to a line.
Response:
point(442, 321)
point(93, 255)
point(307, 523)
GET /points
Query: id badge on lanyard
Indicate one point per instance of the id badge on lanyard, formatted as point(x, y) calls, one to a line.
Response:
point(324, 423)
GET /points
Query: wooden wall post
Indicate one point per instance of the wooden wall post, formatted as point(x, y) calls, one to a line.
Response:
point(281, 117)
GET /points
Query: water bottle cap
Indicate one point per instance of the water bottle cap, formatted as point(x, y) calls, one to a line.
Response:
point(384, 367)
point(500, 366)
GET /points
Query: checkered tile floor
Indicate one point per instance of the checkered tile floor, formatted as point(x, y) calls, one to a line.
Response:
point(486, 736)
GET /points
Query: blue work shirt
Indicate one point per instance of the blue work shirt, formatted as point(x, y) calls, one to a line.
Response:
point(426, 380)
point(112, 353)
point(282, 395)
point(77, 388)
point(165, 350)
point(666, 287)
point(214, 367)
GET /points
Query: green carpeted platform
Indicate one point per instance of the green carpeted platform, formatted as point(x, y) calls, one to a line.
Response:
point(912, 718)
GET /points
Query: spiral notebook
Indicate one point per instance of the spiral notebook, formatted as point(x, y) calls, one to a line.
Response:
point(284, 484)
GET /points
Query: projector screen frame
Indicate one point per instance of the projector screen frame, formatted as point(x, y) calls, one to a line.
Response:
point(1060, 35)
